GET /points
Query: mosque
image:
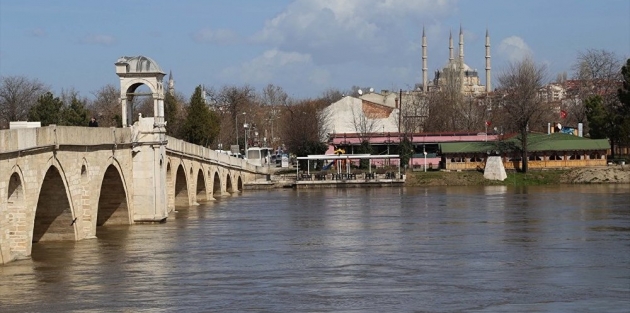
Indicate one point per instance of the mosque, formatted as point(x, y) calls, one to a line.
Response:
point(456, 71)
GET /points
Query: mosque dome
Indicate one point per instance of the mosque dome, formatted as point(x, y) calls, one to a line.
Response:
point(453, 65)
point(139, 64)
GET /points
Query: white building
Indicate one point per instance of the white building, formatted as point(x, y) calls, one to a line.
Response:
point(361, 116)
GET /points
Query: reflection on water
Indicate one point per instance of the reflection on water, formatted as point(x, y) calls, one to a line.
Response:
point(483, 249)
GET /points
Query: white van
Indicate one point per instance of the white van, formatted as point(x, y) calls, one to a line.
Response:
point(259, 156)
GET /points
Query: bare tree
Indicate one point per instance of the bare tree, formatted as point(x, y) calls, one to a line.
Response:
point(230, 103)
point(273, 99)
point(106, 106)
point(519, 84)
point(414, 109)
point(597, 73)
point(302, 129)
point(17, 95)
point(273, 96)
point(363, 123)
point(331, 96)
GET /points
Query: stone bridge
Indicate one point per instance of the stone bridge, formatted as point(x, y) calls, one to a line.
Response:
point(64, 183)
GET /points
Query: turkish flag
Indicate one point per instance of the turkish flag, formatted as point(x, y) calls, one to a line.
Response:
point(488, 123)
point(563, 114)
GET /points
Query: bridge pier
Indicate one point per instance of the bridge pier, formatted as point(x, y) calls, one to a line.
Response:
point(149, 178)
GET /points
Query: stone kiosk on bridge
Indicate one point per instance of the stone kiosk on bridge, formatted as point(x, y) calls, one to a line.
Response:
point(64, 182)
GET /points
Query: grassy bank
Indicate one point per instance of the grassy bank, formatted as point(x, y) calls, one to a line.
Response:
point(475, 178)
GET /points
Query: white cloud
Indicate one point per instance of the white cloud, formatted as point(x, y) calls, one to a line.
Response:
point(514, 48)
point(320, 77)
point(220, 36)
point(268, 66)
point(335, 31)
point(103, 40)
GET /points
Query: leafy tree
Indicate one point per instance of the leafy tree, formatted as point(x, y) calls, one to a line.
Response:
point(17, 95)
point(75, 114)
point(405, 150)
point(172, 109)
point(519, 85)
point(47, 110)
point(201, 125)
point(608, 115)
point(598, 117)
point(623, 94)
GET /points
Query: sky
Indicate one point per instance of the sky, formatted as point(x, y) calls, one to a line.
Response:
point(304, 46)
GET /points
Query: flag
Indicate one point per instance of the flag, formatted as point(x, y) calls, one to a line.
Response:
point(488, 123)
point(563, 114)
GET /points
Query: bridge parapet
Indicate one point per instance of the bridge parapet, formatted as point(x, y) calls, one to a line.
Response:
point(179, 146)
point(12, 140)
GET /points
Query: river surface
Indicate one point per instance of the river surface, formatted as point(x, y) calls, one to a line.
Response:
point(439, 249)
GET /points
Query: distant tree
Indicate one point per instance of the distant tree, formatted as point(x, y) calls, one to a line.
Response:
point(273, 100)
point(75, 113)
point(47, 110)
point(106, 106)
point(623, 94)
point(598, 118)
point(597, 73)
point(142, 105)
point(438, 114)
point(331, 96)
point(405, 150)
point(415, 110)
point(302, 130)
point(17, 95)
point(519, 85)
point(201, 126)
point(230, 103)
point(173, 115)
point(274, 96)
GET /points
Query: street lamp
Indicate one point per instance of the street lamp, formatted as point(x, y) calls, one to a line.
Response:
point(425, 161)
point(236, 124)
point(246, 126)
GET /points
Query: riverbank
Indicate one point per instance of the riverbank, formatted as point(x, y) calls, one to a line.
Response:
point(613, 174)
point(599, 175)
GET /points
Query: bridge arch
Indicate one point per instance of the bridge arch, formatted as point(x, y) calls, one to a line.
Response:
point(54, 216)
point(228, 183)
point(239, 184)
point(181, 188)
point(113, 208)
point(201, 191)
point(170, 188)
point(216, 185)
point(16, 209)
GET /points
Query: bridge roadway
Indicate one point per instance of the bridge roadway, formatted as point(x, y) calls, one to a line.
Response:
point(63, 183)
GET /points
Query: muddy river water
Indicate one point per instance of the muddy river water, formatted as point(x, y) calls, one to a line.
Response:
point(438, 249)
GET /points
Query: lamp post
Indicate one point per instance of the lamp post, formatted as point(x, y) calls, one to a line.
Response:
point(246, 127)
point(236, 124)
point(425, 161)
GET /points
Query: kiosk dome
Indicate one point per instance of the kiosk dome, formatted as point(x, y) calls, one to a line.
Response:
point(137, 64)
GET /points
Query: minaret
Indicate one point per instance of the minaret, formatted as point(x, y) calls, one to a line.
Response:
point(425, 74)
point(171, 84)
point(450, 47)
point(488, 77)
point(461, 56)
